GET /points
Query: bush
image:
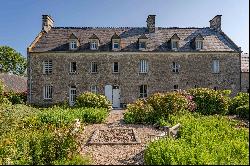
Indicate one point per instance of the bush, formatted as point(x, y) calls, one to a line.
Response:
point(239, 100)
point(209, 101)
point(16, 97)
point(243, 111)
point(93, 100)
point(139, 112)
point(203, 140)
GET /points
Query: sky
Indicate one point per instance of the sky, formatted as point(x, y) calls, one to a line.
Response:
point(21, 20)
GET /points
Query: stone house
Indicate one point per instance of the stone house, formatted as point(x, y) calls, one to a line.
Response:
point(245, 72)
point(127, 63)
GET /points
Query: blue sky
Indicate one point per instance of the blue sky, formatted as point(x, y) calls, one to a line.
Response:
point(21, 19)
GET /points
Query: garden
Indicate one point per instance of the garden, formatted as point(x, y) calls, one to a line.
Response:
point(211, 129)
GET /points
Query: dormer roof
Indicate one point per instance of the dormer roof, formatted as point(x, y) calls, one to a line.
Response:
point(199, 37)
point(143, 36)
point(175, 36)
point(94, 37)
point(73, 36)
point(115, 36)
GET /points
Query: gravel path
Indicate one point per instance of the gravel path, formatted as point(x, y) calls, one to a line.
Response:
point(116, 154)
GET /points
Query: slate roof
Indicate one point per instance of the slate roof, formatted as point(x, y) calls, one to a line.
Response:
point(58, 37)
point(245, 62)
point(13, 82)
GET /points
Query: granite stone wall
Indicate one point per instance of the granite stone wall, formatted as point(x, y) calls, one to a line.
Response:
point(195, 70)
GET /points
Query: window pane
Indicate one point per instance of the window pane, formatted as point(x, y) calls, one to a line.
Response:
point(93, 67)
point(73, 67)
point(115, 67)
point(142, 45)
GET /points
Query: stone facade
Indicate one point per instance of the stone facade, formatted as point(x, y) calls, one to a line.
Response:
point(245, 72)
point(195, 66)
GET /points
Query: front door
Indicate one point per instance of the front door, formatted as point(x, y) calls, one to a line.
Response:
point(116, 97)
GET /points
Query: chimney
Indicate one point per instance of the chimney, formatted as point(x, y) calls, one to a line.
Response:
point(215, 23)
point(151, 23)
point(47, 23)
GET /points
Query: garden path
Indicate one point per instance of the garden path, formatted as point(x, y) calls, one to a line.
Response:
point(116, 154)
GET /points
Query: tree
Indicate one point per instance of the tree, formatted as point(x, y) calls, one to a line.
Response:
point(12, 61)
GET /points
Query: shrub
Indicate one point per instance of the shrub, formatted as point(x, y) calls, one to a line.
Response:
point(239, 100)
point(16, 97)
point(168, 103)
point(243, 111)
point(209, 101)
point(203, 140)
point(139, 112)
point(93, 100)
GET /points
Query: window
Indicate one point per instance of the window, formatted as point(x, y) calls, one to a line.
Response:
point(174, 45)
point(143, 66)
point(198, 45)
point(142, 45)
point(215, 88)
point(93, 45)
point(72, 67)
point(47, 67)
point(72, 95)
point(73, 45)
point(176, 87)
point(216, 66)
point(116, 45)
point(143, 91)
point(195, 86)
point(93, 89)
point(47, 92)
point(115, 67)
point(175, 67)
point(93, 67)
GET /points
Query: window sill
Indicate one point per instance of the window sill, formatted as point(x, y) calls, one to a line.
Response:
point(93, 72)
point(115, 72)
point(73, 73)
point(47, 73)
point(47, 100)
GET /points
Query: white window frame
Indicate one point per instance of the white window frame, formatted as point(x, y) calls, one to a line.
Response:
point(92, 67)
point(47, 92)
point(116, 43)
point(71, 67)
point(93, 89)
point(114, 67)
point(143, 94)
point(73, 45)
point(198, 44)
point(72, 95)
point(216, 66)
point(175, 67)
point(143, 66)
point(47, 67)
point(93, 45)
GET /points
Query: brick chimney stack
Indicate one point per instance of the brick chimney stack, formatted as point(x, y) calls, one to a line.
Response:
point(151, 23)
point(47, 22)
point(215, 23)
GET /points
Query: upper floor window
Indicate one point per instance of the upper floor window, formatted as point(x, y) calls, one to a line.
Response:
point(73, 45)
point(93, 67)
point(216, 66)
point(47, 67)
point(174, 42)
point(175, 67)
point(93, 45)
point(93, 88)
point(72, 67)
point(115, 42)
point(143, 66)
point(143, 91)
point(198, 44)
point(142, 42)
point(47, 92)
point(115, 67)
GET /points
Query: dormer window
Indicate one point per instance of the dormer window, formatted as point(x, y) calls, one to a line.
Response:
point(175, 42)
point(93, 45)
point(94, 42)
point(115, 42)
point(73, 45)
point(116, 45)
point(142, 42)
point(198, 42)
point(73, 42)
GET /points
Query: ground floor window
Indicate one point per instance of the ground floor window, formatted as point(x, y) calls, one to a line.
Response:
point(93, 89)
point(47, 92)
point(143, 91)
point(176, 87)
point(72, 95)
